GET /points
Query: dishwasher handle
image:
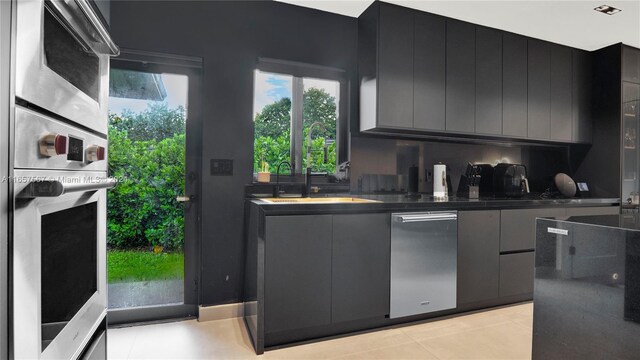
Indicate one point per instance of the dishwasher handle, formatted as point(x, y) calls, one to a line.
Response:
point(425, 217)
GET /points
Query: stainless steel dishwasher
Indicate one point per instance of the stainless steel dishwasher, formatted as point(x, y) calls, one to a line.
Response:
point(424, 254)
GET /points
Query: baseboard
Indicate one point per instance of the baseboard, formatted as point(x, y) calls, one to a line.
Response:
point(220, 312)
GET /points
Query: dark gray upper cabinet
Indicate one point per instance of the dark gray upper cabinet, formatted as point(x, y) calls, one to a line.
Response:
point(461, 76)
point(360, 266)
point(430, 74)
point(581, 97)
point(560, 91)
point(488, 81)
point(630, 64)
point(395, 72)
point(297, 272)
point(514, 85)
point(429, 64)
point(478, 255)
point(538, 99)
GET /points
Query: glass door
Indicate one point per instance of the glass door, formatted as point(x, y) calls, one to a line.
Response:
point(152, 213)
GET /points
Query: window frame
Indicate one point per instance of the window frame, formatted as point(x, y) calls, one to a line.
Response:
point(299, 71)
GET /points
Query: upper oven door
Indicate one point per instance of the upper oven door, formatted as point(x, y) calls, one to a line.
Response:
point(59, 262)
point(62, 60)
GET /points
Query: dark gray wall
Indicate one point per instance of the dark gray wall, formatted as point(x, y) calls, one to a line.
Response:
point(230, 36)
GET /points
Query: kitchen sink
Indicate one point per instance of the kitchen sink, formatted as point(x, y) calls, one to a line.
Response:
point(320, 200)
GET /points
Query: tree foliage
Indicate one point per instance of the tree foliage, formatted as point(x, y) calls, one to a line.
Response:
point(157, 122)
point(274, 119)
point(147, 156)
point(319, 106)
point(272, 131)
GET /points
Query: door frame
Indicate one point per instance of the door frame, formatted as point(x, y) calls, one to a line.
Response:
point(191, 67)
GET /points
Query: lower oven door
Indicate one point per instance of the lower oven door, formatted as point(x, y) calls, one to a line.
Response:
point(59, 262)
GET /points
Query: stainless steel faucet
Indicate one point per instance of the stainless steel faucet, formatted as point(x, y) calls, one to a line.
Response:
point(308, 177)
point(276, 188)
point(317, 123)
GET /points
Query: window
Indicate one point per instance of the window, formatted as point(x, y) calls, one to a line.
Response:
point(288, 112)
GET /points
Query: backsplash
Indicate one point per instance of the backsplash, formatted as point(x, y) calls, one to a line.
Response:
point(378, 162)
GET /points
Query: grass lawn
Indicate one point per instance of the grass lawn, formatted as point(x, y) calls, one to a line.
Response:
point(136, 265)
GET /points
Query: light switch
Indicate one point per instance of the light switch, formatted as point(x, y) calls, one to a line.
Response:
point(221, 167)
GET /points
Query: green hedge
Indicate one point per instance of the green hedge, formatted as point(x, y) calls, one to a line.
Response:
point(142, 210)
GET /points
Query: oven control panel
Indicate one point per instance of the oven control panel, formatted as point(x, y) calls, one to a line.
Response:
point(53, 144)
point(46, 143)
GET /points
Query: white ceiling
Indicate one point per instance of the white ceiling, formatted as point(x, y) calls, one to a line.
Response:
point(568, 22)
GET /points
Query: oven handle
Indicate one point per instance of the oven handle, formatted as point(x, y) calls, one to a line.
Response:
point(97, 24)
point(54, 188)
point(79, 18)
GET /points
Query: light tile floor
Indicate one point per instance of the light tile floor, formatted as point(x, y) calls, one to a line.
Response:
point(502, 333)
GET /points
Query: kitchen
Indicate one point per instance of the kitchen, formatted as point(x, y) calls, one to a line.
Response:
point(234, 39)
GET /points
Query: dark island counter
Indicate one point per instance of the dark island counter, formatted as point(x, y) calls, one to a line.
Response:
point(587, 288)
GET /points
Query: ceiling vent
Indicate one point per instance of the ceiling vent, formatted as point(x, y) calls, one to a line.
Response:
point(609, 10)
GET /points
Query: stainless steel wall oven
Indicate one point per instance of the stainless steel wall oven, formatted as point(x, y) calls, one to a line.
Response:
point(59, 290)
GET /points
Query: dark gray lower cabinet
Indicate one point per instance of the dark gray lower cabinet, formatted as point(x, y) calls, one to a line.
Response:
point(297, 272)
point(516, 274)
point(586, 211)
point(478, 255)
point(360, 266)
point(518, 227)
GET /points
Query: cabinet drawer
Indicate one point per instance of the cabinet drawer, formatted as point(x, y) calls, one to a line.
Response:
point(586, 211)
point(518, 227)
point(516, 274)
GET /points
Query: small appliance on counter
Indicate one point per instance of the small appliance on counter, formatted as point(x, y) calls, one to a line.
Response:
point(510, 180)
point(565, 185)
point(413, 182)
point(440, 188)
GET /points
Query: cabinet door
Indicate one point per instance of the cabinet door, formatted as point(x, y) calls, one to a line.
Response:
point(516, 274)
point(518, 227)
point(429, 72)
point(581, 104)
point(561, 106)
point(538, 101)
point(586, 211)
point(461, 76)
point(514, 85)
point(395, 67)
point(488, 81)
point(297, 278)
point(361, 265)
point(478, 255)
point(630, 64)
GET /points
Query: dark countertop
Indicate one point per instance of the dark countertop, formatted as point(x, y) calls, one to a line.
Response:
point(401, 203)
point(626, 221)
